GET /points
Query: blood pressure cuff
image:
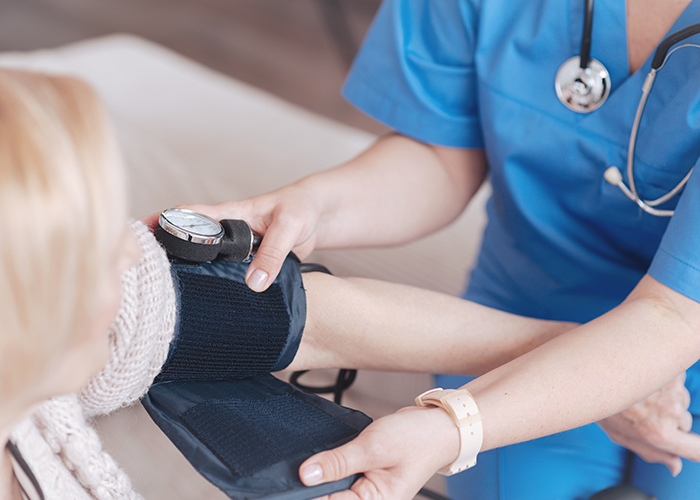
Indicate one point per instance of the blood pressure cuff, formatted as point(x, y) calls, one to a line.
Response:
point(244, 430)
point(225, 330)
point(249, 436)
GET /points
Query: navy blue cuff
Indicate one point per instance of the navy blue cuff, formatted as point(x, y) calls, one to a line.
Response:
point(249, 437)
point(225, 330)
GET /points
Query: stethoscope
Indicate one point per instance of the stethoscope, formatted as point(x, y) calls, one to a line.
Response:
point(583, 84)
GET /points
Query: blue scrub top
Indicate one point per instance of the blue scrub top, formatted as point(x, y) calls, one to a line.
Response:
point(561, 243)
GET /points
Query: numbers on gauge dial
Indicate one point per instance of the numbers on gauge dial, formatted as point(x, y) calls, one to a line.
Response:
point(193, 222)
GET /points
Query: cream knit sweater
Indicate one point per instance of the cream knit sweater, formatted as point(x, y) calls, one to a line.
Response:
point(63, 451)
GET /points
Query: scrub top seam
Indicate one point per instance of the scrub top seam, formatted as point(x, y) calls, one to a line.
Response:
point(463, 131)
point(553, 117)
point(681, 261)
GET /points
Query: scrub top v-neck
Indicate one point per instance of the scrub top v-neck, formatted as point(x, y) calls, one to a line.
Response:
point(560, 243)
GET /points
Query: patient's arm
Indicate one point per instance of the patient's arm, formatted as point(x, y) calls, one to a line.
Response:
point(369, 324)
point(362, 323)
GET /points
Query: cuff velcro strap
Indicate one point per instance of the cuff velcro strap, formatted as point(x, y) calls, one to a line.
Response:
point(225, 330)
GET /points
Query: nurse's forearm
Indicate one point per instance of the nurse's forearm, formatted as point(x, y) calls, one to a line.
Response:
point(593, 371)
point(396, 191)
point(368, 324)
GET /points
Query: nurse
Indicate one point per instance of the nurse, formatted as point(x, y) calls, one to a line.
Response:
point(468, 86)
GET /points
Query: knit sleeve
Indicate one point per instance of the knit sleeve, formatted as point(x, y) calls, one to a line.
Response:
point(140, 335)
point(64, 451)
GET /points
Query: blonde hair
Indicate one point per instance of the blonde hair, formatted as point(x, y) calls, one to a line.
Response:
point(62, 213)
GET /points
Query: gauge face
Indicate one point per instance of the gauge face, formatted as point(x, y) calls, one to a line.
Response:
point(192, 222)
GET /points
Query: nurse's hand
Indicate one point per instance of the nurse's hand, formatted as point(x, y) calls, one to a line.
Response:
point(657, 429)
point(286, 219)
point(397, 454)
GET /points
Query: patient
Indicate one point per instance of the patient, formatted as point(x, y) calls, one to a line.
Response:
point(65, 248)
point(88, 303)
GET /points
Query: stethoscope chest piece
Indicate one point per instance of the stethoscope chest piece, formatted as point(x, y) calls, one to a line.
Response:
point(582, 89)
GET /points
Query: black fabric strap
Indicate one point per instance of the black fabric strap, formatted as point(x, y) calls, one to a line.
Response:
point(277, 427)
point(225, 330)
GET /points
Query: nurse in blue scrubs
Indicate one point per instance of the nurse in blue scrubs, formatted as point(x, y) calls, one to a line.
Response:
point(561, 242)
point(469, 86)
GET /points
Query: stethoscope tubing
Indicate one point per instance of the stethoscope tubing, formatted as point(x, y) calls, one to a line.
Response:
point(614, 177)
point(569, 81)
point(587, 34)
point(582, 85)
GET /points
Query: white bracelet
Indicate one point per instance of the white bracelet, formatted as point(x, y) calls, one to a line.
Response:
point(461, 407)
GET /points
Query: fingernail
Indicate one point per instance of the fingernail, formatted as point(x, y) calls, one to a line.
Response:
point(312, 474)
point(256, 281)
point(675, 468)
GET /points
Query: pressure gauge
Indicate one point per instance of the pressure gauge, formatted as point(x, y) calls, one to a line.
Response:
point(196, 237)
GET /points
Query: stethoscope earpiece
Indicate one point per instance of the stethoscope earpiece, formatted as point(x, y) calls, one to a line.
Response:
point(613, 176)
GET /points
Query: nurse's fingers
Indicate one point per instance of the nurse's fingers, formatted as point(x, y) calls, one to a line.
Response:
point(347, 494)
point(281, 232)
point(666, 446)
point(213, 211)
point(363, 489)
point(649, 454)
point(397, 455)
point(339, 463)
point(684, 444)
point(686, 422)
point(151, 221)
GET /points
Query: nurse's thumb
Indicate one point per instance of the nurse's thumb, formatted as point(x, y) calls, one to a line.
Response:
point(265, 267)
point(337, 464)
point(277, 242)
